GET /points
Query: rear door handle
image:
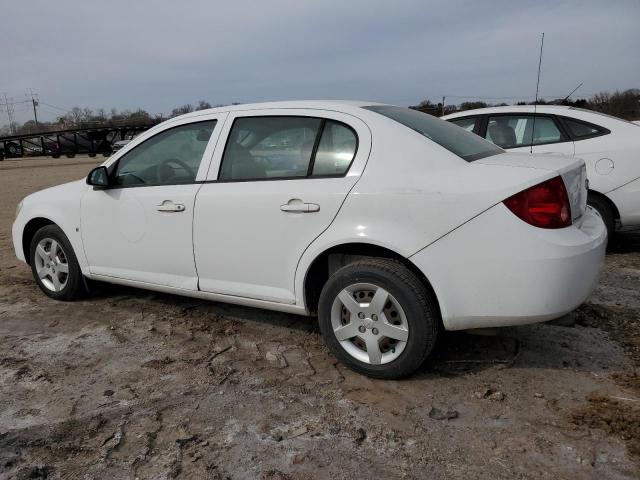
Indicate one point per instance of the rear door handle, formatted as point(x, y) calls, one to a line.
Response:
point(295, 205)
point(169, 206)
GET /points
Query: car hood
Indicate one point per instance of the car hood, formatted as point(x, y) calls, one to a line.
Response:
point(58, 193)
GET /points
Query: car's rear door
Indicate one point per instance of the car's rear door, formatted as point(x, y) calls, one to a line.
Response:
point(277, 184)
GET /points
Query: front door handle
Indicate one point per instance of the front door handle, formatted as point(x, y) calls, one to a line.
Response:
point(169, 206)
point(295, 205)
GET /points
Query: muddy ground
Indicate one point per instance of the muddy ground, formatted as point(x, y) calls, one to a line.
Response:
point(133, 384)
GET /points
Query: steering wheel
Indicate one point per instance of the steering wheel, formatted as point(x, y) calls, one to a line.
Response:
point(165, 166)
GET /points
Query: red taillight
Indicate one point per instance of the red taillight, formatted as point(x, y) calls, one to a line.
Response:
point(545, 205)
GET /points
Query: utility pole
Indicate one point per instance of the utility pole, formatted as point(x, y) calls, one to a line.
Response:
point(34, 101)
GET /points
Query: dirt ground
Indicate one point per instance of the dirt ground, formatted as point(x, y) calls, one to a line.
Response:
point(134, 384)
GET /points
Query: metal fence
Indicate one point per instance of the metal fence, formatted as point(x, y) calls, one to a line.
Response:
point(68, 142)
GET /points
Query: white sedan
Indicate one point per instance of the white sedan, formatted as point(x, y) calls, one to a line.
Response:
point(388, 223)
point(609, 146)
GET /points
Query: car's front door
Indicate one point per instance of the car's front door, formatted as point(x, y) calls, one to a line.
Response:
point(282, 178)
point(140, 228)
point(528, 133)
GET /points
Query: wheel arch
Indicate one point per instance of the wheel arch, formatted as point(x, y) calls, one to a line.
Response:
point(607, 200)
point(327, 261)
point(30, 229)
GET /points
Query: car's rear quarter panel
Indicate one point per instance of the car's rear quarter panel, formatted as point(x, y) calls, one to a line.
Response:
point(497, 270)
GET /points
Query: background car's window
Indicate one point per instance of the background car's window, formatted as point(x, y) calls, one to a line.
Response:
point(467, 146)
point(580, 129)
point(510, 131)
point(469, 123)
point(269, 147)
point(336, 149)
point(168, 158)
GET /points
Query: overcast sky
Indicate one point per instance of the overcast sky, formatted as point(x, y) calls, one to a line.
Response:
point(159, 54)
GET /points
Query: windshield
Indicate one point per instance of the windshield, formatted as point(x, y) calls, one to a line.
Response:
point(464, 144)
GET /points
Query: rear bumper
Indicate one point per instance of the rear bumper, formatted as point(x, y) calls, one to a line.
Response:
point(497, 271)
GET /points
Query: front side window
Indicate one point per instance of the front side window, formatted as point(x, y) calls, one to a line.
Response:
point(281, 147)
point(509, 131)
point(468, 123)
point(466, 145)
point(171, 157)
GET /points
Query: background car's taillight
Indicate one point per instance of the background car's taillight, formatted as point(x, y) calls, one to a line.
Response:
point(545, 205)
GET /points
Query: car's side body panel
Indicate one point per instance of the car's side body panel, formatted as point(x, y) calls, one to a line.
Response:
point(215, 297)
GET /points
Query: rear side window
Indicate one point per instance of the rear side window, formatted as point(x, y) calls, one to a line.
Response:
point(269, 147)
point(509, 131)
point(282, 147)
point(336, 150)
point(579, 129)
point(466, 145)
point(470, 124)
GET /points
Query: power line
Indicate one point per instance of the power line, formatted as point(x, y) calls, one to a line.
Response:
point(57, 108)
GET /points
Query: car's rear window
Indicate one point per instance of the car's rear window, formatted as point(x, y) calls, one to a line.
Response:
point(466, 145)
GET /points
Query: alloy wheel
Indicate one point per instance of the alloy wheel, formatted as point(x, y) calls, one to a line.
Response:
point(369, 323)
point(51, 264)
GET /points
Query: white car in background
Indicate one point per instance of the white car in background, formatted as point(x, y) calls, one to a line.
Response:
point(609, 146)
point(388, 223)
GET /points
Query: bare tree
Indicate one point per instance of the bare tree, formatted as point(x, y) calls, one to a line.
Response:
point(203, 105)
point(188, 108)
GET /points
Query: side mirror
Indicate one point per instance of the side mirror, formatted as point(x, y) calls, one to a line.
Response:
point(98, 177)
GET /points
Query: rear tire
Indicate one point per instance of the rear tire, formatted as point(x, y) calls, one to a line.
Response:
point(54, 264)
point(606, 213)
point(392, 343)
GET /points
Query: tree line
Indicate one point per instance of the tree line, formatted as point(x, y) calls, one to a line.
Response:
point(79, 117)
point(624, 104)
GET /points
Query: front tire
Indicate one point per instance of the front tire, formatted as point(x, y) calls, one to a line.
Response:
point(54, 264)
point(378, 318)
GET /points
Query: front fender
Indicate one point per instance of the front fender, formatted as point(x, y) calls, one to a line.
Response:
point(59, 205)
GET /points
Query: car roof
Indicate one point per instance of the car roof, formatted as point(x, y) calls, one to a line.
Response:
point(511, 109)
point(598, 118)
point(338, 105)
